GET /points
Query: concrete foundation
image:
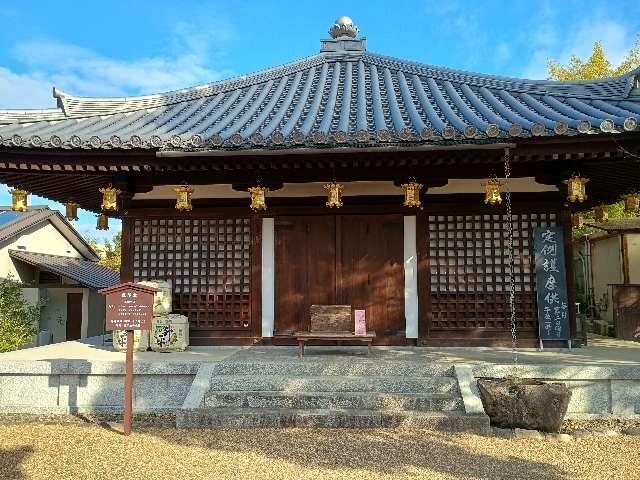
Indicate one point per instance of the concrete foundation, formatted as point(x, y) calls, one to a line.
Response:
point(331, 386)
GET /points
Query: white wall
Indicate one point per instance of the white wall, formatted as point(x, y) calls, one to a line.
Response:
point(410, 277)
point(45, 239)
point(351, 189)
point(606, 263)
point(268, 277)
point(633, 244)
point(54, 314)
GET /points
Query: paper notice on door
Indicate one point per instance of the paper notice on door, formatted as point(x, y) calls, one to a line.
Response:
point(361, 325)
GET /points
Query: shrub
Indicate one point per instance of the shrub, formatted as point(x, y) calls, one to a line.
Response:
point(19, 318)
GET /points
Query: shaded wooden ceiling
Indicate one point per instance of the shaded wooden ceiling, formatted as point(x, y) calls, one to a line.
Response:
point(611, 162)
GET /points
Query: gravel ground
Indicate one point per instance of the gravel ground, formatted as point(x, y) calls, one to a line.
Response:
point(89, 451)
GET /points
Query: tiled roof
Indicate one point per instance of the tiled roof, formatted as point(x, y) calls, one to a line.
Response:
point(17, 223)
point(617, 225)
point(24, 221)
point(341, 96)
point(85, 272)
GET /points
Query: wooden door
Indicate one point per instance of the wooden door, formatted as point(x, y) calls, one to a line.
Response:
point(340, 259)
point(304, 269)
point(74, 315)
point(370, 270)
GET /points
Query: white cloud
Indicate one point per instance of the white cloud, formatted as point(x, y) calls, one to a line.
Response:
point(30, 90)
point(577, 39)
point(502, 52)
point(84, 72)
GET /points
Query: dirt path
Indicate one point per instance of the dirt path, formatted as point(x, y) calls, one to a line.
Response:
point(92, 452)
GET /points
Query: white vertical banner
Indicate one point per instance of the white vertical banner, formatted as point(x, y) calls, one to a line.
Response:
point(410, 278)
point(268, 277)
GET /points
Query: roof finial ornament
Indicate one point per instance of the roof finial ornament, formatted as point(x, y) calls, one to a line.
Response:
point(343, 27)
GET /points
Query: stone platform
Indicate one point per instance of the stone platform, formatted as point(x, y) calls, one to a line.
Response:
point(331, 386)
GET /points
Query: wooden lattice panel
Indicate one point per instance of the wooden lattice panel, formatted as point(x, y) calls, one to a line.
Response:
point(470, 280)
point(208, 262)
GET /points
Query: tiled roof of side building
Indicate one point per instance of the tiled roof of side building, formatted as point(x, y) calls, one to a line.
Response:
point(18, 223)
point(343, 95)
point(85, 272)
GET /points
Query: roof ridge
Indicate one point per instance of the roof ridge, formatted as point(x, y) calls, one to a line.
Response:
point(475, 78)
point(12, 250)
point(72, 104)
point(86, 272)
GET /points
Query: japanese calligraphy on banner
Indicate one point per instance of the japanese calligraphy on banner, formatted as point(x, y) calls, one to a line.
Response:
point(551, 284)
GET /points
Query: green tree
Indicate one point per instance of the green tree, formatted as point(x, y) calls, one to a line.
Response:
point(110, 252)
point(19, 319)
point(596, 66)
point(615, 210)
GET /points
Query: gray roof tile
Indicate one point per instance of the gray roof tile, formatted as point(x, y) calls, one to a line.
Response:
point(85, 272)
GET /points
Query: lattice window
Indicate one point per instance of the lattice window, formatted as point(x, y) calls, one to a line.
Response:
point(208, 262)
point(469, 271)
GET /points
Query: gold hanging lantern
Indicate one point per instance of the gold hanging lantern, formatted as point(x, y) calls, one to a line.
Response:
point(576, 190)
point(412, 193)
point(19, 200)
point(183, 197)
point(492, 191)
point(577, 220)
point(103, 222)
point(109, 198)
point(601, 214)
point(631, 203)
point(71, 211)
point(334, 194)
point(258, 198)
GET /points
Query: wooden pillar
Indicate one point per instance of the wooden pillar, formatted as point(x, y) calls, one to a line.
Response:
point(567, 228)
point(256, 276)
point(424, 278)
point(126, 260)
point(624, 240)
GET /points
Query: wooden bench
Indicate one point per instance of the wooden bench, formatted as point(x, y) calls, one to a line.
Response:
point(334, 323)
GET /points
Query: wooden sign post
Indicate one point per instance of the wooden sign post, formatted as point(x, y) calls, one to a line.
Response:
point(128, 307)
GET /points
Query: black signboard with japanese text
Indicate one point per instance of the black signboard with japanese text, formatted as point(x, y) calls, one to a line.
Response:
point(551, 284)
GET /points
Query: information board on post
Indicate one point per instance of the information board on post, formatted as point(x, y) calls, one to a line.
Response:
point(128, 307)
point(551, 284)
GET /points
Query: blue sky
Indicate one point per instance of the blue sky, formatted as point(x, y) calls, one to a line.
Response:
point(116, 48)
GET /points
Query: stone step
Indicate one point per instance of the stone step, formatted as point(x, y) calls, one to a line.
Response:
point(345, 418)
point(347, 367)
point(334, 400)
point(278, 383)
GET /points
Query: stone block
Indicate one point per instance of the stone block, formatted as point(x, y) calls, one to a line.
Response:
point(524, 433)
point(99, 392)
point(37, 391)
point(524, 403)
point(625, 397)
point(502, 432)
point(588, 396)
point(160, 392)
point(559, 437)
